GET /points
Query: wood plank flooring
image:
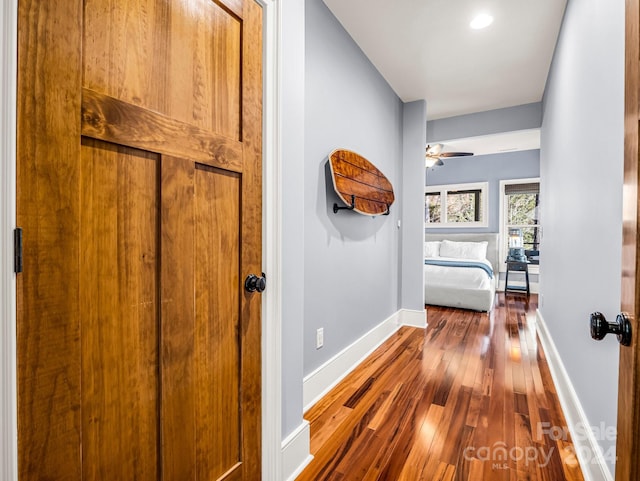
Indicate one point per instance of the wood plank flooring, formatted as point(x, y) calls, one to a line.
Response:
point(469, 398)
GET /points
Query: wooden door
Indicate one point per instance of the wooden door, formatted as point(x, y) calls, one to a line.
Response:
point(139, 194)
point(628, 440)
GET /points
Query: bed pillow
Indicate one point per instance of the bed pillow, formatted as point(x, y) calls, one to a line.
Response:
point(432, 249)
point(475, 251)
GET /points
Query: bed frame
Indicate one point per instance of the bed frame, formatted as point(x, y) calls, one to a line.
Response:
point(477, 299)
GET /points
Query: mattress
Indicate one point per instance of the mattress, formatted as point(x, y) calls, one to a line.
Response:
point(461, 277)
point(463, 287)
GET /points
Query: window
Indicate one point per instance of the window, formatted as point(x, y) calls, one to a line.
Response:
point(433, 202)
point(462, 205)
point(520, 209)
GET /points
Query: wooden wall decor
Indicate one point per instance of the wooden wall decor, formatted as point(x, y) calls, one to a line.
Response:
point(359, 184)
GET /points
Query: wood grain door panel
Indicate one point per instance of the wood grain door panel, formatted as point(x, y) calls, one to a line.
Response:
point(628, 426)
point(119, 259)
point(139, 193)
point(114, 120)
point(177, 417)
point(48, 149)
point(177, 58)
point(217, 348)
point(200, 321)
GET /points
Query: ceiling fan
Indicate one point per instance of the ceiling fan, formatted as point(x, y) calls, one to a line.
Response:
point(434, 155)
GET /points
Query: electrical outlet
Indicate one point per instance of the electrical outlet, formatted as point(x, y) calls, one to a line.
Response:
point(320, 338)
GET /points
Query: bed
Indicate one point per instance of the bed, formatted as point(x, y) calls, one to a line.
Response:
point(461, 278)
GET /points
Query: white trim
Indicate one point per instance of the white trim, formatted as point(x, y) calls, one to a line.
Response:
point(272, 402)
point(502, 265)
point(8, 383)
point(323, 379)
point(319, 382)
point(295, 452)
point(443, 188)
point(594, 468)
point(272, 456)
point(413, 318)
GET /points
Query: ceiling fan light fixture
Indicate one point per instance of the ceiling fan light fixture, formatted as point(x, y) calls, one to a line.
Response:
point(481, 20)
point(430, 161)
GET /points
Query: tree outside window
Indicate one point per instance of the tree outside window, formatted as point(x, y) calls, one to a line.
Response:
point(463, 205)
point(520, 208)
point(522, 212)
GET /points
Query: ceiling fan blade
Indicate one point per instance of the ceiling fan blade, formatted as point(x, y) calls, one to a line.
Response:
point(455, 154)
point(439, 162)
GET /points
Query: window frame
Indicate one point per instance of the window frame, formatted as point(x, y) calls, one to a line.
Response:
point(533, 268)
point(442, 189)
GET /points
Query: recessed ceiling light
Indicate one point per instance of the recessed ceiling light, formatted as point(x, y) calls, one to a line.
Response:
point(481, 21)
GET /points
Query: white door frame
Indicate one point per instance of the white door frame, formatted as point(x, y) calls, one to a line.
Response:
point(272, 241)
point(271, 317)
point(8, 394)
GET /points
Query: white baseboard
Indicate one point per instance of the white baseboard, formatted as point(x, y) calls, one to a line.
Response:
point(595, 467)
point(295, 452)
point(295, 448)
point(319, 382)
point(413, 318)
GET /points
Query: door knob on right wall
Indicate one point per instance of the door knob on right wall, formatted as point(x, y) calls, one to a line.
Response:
point(621, 327)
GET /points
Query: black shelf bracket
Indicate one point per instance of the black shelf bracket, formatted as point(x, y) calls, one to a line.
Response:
point(352, 206)
point(336, 208)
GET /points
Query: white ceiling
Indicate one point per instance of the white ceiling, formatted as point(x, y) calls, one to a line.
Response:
point(494, 144)
point(425, 49)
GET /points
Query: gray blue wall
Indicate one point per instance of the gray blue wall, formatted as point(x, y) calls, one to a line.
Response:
point(485, 168)
point(520, 117)
point(411, 289)
point(581, 167)
point(344, 271)
point(293, 111)
point(351, 261)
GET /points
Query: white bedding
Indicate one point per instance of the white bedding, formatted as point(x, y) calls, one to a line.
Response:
point(460, 277)
point(463, 287)
point(466, 288)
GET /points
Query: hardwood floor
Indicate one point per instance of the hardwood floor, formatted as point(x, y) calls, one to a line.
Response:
point(469, 398)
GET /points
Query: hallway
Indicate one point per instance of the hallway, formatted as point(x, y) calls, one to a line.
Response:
point(470, 398)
